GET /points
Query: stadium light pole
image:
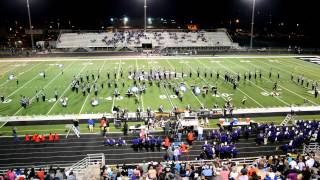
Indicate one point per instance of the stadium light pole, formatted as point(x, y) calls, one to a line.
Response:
point(145, 15)
point(252, 22)
point(30, 25)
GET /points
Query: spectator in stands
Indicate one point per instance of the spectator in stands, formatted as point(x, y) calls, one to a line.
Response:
point(200, 132)
point(91, 125)
point(38, 139)
point(137, 172)
point(27, 138)
point(51, 137)
point(207, 172)
point(125, 128)
point(71, 176)
point(59, 174)
point(40, 174)
point(166, 142)
point(32, 173)
point(56, 137)
point(169, 154)
point(121, 142)
point(152, 173)
point(225, 173)
point(43, 138)
point(243, 175)
point(190, 138)
point(176, 153)
point(310, 162)
point(234, 174)
point(34, 137)
point(306, 173)
point(10, 175)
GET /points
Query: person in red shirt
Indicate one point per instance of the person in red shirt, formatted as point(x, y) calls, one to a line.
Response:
point(34, 137)
point(166, 142)
point(56, 137)
point(190, 138)
point(40, 174)
point(51, 137)
point(38, 139)
point(27, 138)
point(183, 147)
point(43, 138)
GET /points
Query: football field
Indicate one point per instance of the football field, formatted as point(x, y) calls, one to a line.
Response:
point(59, 73)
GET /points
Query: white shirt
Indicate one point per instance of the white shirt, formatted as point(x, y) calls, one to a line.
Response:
point(310, 163)
point(272, 175)
point(200, 130)
point(234, 175)
point(293, 164)
point(301, 165)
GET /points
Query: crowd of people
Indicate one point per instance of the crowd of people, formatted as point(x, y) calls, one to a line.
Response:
point(295, 167)
point(38, 174)
point(41, 138)
point(301, 132)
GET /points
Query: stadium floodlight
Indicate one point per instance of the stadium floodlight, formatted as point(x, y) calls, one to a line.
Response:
point(30, 25)
point(125, 20)
point(252, 22)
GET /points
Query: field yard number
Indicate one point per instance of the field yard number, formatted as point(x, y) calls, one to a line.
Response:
point(163, 97)
point(6, 101)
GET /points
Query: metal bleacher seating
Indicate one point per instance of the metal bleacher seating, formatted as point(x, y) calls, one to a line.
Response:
point(135, 39)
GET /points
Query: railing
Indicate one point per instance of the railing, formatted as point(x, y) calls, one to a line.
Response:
point(78, 168)
point(237, 161)
point(91, 159)
point(311, 147)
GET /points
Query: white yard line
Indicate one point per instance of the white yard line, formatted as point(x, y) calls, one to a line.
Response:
point(240, 89)
point(22, 73)
point(141, 97)
point(114, 98)
point(186, 84)
point(35, 96)
point(85, 101)
point(205, 81)
point(290, 90)
point(315, 73)
point(37, 76)
point(286, 103)
point(45, 87)
point(165, 89)
point(65, 90)
point(11, 69)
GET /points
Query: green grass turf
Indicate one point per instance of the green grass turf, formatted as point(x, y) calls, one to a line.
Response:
point(60, 128)
point(30, 81)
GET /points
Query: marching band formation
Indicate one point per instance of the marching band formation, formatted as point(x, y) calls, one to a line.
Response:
point(141, 80)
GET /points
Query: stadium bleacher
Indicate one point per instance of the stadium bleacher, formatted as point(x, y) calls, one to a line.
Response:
point(136, 39)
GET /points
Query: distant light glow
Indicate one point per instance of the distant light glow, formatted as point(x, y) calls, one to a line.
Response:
point(125, 19)
point(111, 19)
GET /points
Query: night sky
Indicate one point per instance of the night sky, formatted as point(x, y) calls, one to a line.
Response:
point(91, 14)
